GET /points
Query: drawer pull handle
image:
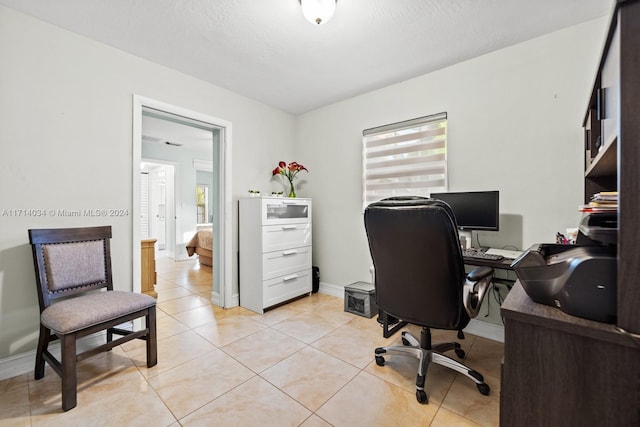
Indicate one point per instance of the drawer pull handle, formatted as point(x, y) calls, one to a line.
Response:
point(289, 252)
point(287, 278)
point(289, 227)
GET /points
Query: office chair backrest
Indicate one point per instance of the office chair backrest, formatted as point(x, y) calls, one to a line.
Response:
point(71, 261)
point(419, 270)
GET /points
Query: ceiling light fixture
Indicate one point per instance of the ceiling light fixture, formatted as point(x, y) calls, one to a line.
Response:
point(318, 11)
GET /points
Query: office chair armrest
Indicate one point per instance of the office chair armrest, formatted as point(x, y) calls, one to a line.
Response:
point(479, 273)
point(475, 288)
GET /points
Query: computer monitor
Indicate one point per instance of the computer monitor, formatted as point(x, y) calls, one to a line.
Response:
point(474, 210)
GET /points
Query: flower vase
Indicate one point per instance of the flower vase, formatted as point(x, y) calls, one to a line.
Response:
point(292, 191)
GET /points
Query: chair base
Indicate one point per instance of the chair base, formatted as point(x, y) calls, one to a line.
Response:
point(390, 325)
point(66, 366)
point(425, 353)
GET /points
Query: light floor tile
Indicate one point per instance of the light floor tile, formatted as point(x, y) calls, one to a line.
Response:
point(16, 416)
point(403, 371)
point(14, 402)
point(310, 376)
point(189, 282)
point(306, 327)
point(163, 283)
point(130, 402)
point(204, 290)
point(254, 403)
point(15, 392)
point(315, 421)
point(371, 401)
point(172, 352)
point(182, 304)
point(310, 302)
point(172, 293)
point(192, 385)
point(197, 316)
point(446, 418)
point(464, 399)
point(228, 330)
point(259, 351)
point(166, 326)
point(333, 311)
point(303, 363)
point(280, 314)
point(485, 356)
point(352, 344)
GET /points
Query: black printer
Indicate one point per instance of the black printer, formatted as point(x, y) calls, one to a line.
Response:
point(579, 280)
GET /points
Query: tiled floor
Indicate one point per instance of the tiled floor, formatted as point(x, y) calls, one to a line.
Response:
point(307, 363)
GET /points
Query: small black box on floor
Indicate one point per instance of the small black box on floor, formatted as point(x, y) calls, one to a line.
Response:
point(360, 299)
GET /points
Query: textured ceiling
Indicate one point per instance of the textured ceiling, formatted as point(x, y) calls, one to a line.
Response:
point(267, 51)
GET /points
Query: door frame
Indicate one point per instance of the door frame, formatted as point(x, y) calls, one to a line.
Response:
point(225, 297)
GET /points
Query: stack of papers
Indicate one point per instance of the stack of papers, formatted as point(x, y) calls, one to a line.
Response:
point(606, 201)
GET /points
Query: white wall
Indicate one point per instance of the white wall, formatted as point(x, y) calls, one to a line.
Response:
point(66, 143)
point(514, 124)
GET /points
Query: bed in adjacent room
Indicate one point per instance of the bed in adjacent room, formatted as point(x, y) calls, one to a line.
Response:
point(202, 244)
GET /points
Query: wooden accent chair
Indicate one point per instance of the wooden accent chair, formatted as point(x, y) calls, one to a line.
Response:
point(76, 296)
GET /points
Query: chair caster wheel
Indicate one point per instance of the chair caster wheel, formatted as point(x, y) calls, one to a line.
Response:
point(483, 389)
point(405, 341)
point(421, 396)
point(460, 353)
point(379, 360)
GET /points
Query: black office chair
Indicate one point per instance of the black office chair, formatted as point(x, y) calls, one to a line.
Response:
point(420, 279)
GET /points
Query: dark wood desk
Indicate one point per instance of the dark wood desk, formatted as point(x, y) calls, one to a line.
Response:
point(503, 264)
point(563, 370)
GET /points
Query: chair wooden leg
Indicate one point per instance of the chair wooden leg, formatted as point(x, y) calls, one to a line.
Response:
point(43, 344)
point(152, 345)
point(69, 371)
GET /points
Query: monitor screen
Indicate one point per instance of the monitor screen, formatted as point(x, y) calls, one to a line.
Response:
point(474, 210)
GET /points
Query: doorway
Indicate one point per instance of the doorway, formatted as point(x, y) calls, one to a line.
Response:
point(185, 214)
point(157, 205)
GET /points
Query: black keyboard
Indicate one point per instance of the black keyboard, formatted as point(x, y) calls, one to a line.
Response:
point(470, 253)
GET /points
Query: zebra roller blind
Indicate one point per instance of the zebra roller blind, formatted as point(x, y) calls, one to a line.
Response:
point(405, 159)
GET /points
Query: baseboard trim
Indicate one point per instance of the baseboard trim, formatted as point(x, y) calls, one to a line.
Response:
point(476, 327)
point(330, 289)
point(486, 330)
point(215, 299)
point(235, 300)
point(18, 364)
point(23, 363)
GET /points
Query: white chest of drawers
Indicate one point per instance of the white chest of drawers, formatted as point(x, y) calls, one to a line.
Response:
point(275, 250)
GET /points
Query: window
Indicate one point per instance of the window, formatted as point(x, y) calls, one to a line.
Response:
point(405, 159)
point(202, 204)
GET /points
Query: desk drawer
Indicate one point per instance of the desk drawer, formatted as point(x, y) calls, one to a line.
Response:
point(286, 236)
point(286, 287)
point(287, 261)
point(284, 210)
